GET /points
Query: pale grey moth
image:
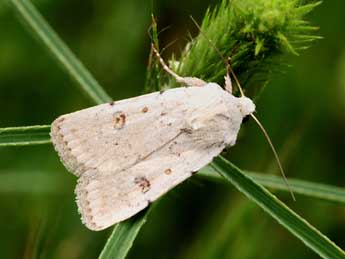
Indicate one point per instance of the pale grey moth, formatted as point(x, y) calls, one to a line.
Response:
point(128, 153)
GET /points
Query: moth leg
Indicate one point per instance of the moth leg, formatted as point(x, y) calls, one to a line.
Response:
point(188, 81)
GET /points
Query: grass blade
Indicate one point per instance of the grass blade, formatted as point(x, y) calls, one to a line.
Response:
point(23, 136)
point(316, 190)
point(298, 226)
point(121, 239)
point(60, 51)
point(306, 188)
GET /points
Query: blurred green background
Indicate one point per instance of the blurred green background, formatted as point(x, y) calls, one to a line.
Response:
point(303, 109)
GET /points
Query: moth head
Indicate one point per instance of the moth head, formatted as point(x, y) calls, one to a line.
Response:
point(246, 106)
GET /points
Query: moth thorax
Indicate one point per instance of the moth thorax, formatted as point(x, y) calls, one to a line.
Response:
point(245, 105)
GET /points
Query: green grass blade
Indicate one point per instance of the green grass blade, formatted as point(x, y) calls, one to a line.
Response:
point(121, 239)
point(298, 226)
point(306, 188)
point(23, 136)
point(316, 190)
point(60, 51)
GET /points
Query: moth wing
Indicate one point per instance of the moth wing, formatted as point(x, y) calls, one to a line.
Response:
point(129, 153)
point(111, 137)
point(105, 198)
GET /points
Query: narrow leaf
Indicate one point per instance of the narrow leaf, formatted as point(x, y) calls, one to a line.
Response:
point(298, 226)
point(121, 239)
point(307, 188)
point(23, 136)
point(316, 190)
point(60, 51)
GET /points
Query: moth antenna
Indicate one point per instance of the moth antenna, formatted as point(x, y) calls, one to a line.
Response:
point(275, 154)
point(226, 61)
point(165, 66)
point(188, 81)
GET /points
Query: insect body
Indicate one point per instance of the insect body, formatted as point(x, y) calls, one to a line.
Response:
point(129, 153)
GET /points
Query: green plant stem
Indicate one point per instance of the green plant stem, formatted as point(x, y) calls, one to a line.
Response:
point(24, 136)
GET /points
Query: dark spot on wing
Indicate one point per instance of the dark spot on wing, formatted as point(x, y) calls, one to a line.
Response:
point(145, 109)
point(112, 103)
point(119, 120)
point(163, 113)
point(143, 183)
point(168, 171)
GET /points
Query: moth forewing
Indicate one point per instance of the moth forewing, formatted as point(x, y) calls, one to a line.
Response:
point(129, 153)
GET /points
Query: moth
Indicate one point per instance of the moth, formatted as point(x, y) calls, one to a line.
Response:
point(128, 153)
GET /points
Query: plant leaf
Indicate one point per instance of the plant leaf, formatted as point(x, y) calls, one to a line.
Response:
point(23, 136)
point(290, 220)
point(124, 233)
point(60, 51)
point(306, 188)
